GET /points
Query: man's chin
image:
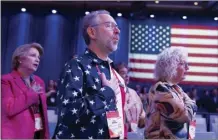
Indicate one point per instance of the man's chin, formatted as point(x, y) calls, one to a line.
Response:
point(113, 48)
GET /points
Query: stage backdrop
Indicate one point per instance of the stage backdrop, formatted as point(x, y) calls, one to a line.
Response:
point(140, 41)
point(59, 34)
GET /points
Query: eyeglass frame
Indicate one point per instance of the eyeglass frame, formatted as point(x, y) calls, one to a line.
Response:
point(184, 63)
point(111, 24)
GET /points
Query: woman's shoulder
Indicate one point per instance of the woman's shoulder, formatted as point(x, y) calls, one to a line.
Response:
point(132, 91)
point(160, 87)
point(7, 76)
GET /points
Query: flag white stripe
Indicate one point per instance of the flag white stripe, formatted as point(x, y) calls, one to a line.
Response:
point(206, 60)
point(201, 78)
point(191, 68)
point(206, 32)
point(194, 41)
point(143, 56)
point(190, 50)
point(188, 77)
point(202, 50)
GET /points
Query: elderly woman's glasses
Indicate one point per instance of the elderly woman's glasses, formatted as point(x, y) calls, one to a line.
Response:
point(184, 64)
point(108, 25)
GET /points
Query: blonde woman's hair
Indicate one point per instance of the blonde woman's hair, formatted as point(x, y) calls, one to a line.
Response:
point(21, 51)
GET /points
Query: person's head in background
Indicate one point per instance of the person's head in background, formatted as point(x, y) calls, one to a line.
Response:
point(138, 88)
point(144, 90)
point(143, 93)
point(74, 56)
point(192, 95)
point(55, 84)
point(206, 92)
point(214, 92)
point(122, 69)
point(101, 33)
point(172, 65)
point(51, 85)
point(26, 58)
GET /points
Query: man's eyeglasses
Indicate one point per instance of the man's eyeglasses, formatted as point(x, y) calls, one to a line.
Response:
point(108, 25)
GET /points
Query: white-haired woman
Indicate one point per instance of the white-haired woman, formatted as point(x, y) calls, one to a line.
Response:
point(169, 107)
point(24, 109)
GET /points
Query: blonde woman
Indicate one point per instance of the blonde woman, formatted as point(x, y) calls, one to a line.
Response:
point(24, 109)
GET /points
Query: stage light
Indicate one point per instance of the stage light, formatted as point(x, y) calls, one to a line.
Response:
point(156, 1)
point(119, 14)
point(151, 16)
point(87, 12)
point(184, 17)
point(23, 9)
point(195, 3)
point(54, 11)
point(215, 18)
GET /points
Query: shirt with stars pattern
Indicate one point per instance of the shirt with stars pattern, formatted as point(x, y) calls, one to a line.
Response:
point(83, 100)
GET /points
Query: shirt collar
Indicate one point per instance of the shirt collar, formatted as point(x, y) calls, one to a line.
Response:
point(31, 79)
point(95, 59)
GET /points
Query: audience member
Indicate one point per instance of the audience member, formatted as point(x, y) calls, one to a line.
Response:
point(169, 106)
point(51, 93)
point(24, 109)
point(91, 93)
point(135, 113)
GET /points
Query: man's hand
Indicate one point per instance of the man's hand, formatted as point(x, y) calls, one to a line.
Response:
point(113, 83)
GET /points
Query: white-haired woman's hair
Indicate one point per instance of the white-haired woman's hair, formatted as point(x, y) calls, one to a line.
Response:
point(167, 63)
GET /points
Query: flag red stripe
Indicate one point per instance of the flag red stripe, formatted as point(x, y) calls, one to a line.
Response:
point(189, 73)
point(142, 61)
point(143, 80)
point(194, 36)
point(142, 70)
point(190, 64)
point(203, 64)
point(203, 55)
point(194, 45)
point(195, 27)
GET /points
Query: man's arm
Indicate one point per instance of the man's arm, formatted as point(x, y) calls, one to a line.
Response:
point(75, 100)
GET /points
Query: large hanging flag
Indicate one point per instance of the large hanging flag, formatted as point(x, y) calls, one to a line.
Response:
point(148, 40)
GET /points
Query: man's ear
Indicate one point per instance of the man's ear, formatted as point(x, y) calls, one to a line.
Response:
point(91, 32)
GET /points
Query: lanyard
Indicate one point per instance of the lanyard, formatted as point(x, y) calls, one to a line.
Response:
point(123, 96)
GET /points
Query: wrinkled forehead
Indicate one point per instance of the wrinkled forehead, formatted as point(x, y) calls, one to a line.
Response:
point(32, 50)
point(101, 18)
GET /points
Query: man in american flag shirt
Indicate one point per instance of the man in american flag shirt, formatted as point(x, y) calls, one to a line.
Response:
point(89, 87)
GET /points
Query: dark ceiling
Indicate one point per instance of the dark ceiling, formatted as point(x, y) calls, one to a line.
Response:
point(127, 5)
point(135, 7)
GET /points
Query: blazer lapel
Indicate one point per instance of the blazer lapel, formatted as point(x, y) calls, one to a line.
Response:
point(20, 83)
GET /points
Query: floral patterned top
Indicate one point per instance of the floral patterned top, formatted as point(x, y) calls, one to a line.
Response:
point(169, 109)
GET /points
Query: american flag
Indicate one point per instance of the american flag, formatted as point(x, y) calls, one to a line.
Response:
point(148, 40)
